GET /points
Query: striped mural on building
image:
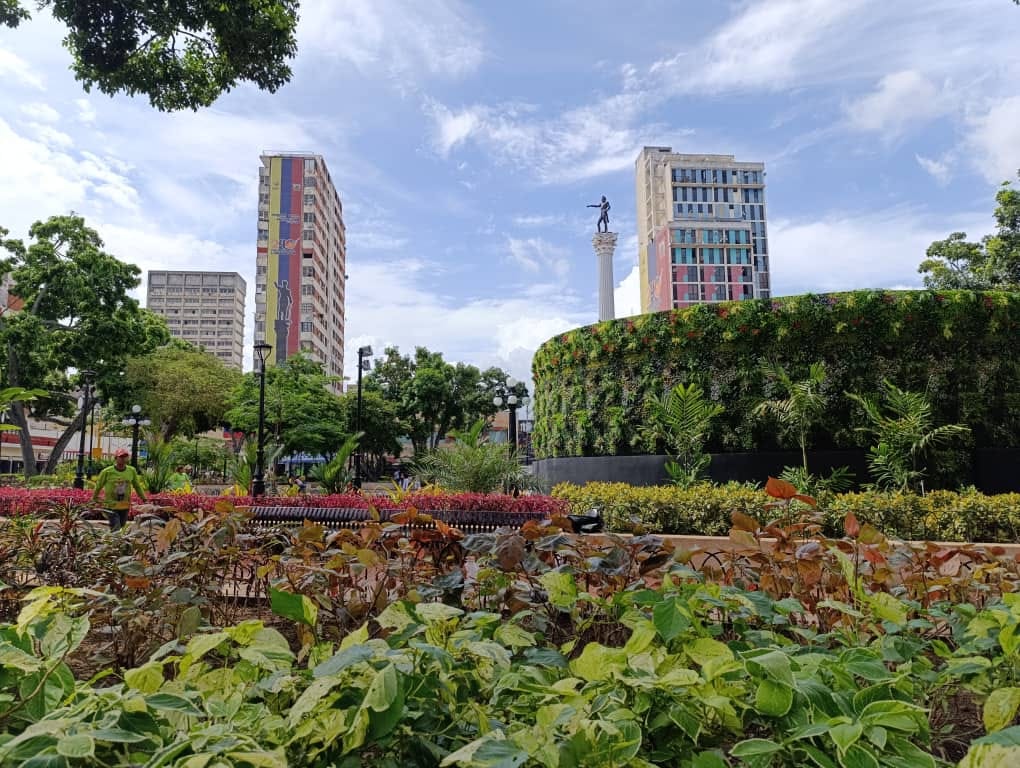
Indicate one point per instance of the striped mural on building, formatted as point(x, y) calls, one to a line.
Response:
point(283, 274)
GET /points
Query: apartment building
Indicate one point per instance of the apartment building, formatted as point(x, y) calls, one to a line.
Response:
point(205, 308)
point(702, 234)
point(300, 272)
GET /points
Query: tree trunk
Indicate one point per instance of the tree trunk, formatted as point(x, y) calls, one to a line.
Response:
point(17, 411)
point(62, 441)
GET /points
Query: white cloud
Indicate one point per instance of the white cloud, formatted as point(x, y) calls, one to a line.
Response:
point(40, 112)
point(50, 136)
point(537, 220)
point(86, 112)
point(578, 144)
point(900, 99)
point(845, 251)
point(627, 295)
point(768, 45)
point(941, 169)
point(994, 137)
point(15, 68)
point(403, 37)
point(539, 256)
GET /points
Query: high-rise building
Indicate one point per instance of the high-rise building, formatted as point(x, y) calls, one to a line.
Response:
point(205, 308)
point(701, 229)
point(300, 273)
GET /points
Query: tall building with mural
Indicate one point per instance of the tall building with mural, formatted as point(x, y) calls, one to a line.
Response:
point(702, 233)
point(300, 273)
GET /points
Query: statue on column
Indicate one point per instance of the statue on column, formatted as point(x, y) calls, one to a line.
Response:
point(603, 214)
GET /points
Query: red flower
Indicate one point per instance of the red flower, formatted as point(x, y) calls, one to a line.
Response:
point(724, 313)
point(692, 334)
point(742, 329)
point(755, 331)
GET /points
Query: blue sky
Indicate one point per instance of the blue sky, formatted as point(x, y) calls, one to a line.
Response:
point(466, 139)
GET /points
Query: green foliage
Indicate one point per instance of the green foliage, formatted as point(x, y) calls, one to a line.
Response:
point(434, 397)
point(182, 54)
point(301, 414)
point(705, 510)
point(801, 409)
point(840, 480)
point(159, 464)
point(903, 427)
point(336, 476)
point(682, 418)
point(77, 315)
point(184, 391)
point(992, 263)
point(592, 383)
point(472, 465)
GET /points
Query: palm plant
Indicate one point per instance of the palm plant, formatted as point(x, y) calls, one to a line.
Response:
point(802, 407)
point(472, 465)
point(241, 467)
point(335, 476)
point(903, 426)
point(159, 464)
point(682, 418)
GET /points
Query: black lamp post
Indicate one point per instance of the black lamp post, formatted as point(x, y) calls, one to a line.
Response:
point(135, 421)
point(363, 365)
point(258, 483)
point(507, 394)
point(92, 435)
point(79, 476)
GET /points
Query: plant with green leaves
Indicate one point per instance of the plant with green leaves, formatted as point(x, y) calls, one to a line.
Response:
point(336, 476)
point(472, 464)
point(800, 408)
point(682, 418)
point(903, 426)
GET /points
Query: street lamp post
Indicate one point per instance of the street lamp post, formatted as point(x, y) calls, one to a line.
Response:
point(507, 394)
point(258, 484)
point(135, 421)
point(363, 365)
point(92, 435)
point(79, 476)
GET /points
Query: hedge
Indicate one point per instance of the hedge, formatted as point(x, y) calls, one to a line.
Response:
point(22, 501)
point(706, 510)
point(591, 383)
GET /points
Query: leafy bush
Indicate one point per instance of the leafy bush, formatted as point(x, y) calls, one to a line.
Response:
point(591, 383)
point(472, 465)
point(706, 510)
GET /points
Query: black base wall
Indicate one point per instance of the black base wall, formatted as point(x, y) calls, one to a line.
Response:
point(995, 471)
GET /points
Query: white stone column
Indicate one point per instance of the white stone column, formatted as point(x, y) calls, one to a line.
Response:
point(604, 244)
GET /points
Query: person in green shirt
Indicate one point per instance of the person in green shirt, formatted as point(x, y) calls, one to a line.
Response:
point(115, 483)
point(179, 480)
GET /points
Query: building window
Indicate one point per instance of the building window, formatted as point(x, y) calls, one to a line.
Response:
point(309, 218)
point(308, 234)
point(260, 270)
point(309, 181)
point(307, 290)
point(307, 271)
point(306, 327)
point(309, 199)
point(260, 326)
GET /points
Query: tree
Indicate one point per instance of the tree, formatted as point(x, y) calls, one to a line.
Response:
point(181, 388)
point(302, 415)
point(182, 54)
point(802, 408)
point(380, 426)
point(683, 419)
point(903, 426)
point(992, 263)
point(434, 397)
point(75, 314)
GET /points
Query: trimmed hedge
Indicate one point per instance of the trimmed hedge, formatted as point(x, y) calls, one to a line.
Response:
point(705, 510)
point(591, 383)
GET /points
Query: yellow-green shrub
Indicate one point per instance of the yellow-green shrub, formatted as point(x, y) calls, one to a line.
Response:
point(706, 510)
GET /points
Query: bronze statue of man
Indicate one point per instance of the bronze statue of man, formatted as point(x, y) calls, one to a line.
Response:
point(603, 214)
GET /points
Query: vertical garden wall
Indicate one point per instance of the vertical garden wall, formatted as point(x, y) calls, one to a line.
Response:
point(963, 347)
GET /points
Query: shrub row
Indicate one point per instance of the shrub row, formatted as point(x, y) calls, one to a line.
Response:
point(21, 501)
point(706, 510)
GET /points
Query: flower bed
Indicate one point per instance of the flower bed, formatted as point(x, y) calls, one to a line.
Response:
point(22, 501)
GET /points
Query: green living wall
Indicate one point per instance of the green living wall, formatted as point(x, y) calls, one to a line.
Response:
point(962, 346)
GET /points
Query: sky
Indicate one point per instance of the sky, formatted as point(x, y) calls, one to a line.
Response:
point(466, 140)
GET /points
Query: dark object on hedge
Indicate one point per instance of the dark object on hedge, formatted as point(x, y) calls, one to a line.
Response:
point(587, 523)
point(335, 518)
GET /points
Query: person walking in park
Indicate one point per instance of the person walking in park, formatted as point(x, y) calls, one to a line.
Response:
point(115, 484)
